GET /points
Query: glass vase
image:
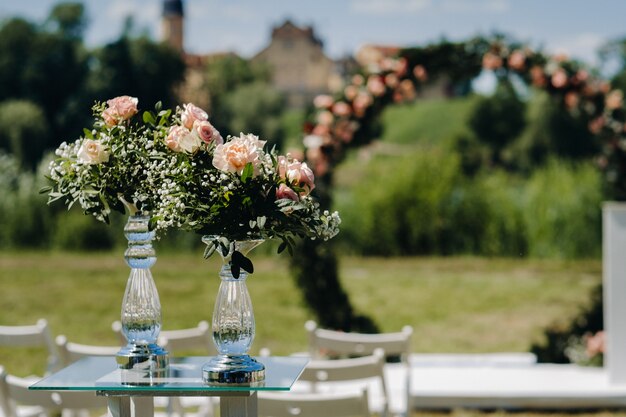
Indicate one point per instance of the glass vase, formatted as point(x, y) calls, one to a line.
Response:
point(141, 308)
point(233, 323)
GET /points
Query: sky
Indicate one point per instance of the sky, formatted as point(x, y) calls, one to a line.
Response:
point(574, 27)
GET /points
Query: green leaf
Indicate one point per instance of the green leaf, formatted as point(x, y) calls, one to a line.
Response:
point(148, 118)
point(244, 263)
point(247, 172)
point(282, 246)
point(210, 249)
point(87, 133)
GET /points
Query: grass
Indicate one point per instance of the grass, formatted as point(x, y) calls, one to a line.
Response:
point(454, 304)
point(428, 121)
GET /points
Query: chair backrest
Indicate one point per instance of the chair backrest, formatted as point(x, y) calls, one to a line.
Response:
point(194, 338)
point(331, 375)
point(333, 343)
point(70, 352)
point(14, 393)
point(37, 335)
point(324, 343)
point(292, 404)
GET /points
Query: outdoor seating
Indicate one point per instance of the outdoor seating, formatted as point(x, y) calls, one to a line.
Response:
point(313, 404)
point(16, 400)
point(70, 352)
point(332, 344)
point(324, 376)
point(37, 335)
point(183, 340)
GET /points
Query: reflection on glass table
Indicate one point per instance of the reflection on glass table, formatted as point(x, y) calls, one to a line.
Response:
point(130, 392)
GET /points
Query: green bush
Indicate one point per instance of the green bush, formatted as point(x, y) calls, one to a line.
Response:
point(24, 218)
point(23, 131)
point(562, 211)
point(397, 208)
point(76, 231)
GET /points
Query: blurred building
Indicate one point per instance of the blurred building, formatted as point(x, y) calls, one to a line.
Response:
point(299, 66)
point(295, 56)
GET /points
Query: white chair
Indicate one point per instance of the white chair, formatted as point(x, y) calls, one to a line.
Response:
point(16, 400)
point(292, 404)
point(197, 338)
point(325, 343)
point(37, 335)
point(70, 352)
point(348, 375)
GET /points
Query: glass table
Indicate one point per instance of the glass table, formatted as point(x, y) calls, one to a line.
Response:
point(130, 393)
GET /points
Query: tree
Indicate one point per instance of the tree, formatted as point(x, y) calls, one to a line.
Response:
point(257, 107)
point(498, 119)
point(136, 67)
point(224, 75)
point(23, 131)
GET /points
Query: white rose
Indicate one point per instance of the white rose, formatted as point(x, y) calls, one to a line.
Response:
point(92, 152)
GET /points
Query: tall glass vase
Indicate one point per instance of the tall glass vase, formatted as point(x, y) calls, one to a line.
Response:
point(233, 323)
point(141, 308)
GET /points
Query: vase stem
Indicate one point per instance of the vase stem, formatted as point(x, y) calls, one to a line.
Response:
point(141, 308)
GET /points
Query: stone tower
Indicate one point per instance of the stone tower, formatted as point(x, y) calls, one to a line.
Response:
point(172, 23)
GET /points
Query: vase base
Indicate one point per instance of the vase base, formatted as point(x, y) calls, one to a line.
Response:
point(150, 358)
point(230, 370)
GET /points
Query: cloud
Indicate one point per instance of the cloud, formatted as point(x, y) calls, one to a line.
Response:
point(482, 6)
point(580, 46)
point(377, 7)
point(144, 13)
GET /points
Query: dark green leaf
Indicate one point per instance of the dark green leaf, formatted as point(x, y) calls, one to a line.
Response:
point(235, 270)
point(240, 260)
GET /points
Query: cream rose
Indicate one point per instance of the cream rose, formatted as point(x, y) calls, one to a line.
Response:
point(233, 156)
point(191, 113)
point(93, 152)
point(206, 132)
point(120, 109)
point(180, 139)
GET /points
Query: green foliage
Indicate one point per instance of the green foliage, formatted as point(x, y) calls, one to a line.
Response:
point(223, 75)
point(432, 121)
point(562, 211)
point(397, 207)
point(257, 108)
point(69, 19)
point(498, 119)
point(23, 131)
point(137, 67)
point(25, 221)
point(76, 232)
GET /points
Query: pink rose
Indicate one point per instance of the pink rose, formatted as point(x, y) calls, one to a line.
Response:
point(119, 109)
point(376, 86)
point(191, 113)
point(92, 152)
point(297, 174)
point(180, 139)
point(614, 100)
point(283, 191)
point(559, 78)
point(517, 60)
point(323, 101)
point(207, 132)
point(233, 156)
point(491, 61)
point(420, 73)
point(341, 109)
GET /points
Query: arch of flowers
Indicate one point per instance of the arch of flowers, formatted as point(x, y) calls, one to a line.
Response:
point(348, 120)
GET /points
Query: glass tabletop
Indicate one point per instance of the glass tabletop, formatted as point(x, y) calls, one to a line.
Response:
point(184, 375)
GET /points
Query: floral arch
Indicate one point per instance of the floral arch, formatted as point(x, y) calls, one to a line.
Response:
point(348, 119)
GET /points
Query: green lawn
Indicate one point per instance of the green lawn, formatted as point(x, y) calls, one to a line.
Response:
point(454, 304)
